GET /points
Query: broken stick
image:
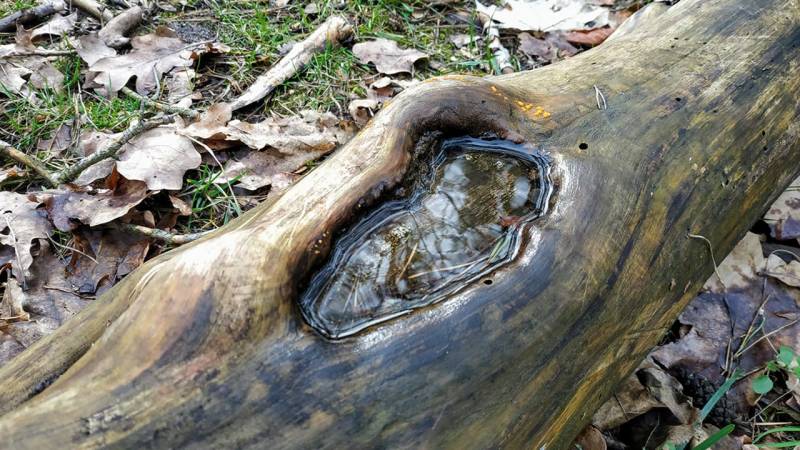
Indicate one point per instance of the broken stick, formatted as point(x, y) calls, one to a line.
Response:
point(332, 31)
point(38, 12)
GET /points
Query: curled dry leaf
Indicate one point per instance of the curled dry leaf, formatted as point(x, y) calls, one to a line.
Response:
point(387, 56)
point(589, 38)
point(289, 144)
point(57, 25)
point(740, 269)
point(61, 140)
point(93, 208)
point(180, 87)
point(21, 223)
point(159, 157)
point(783, 216)
point(788, 272)
point(105, 257)
point(546, 15)
point(18, 71)
point(10, 173)
point(92, 49)
point(362, 110)
point(151, 56)
point(49, 300)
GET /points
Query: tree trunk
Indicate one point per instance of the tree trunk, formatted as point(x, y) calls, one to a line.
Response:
point(206, 347)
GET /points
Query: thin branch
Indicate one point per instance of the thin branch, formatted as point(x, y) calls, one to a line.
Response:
point(94, 9)
point(332, 31)
point(38, 12)
point(112, 149)
point(37, 52)
point(164, 236)
point(185, 112)
point(29, 162)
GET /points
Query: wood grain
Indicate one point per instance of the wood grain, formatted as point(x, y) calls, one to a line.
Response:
point(204, 346)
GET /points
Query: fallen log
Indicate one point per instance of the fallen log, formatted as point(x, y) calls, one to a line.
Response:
point(207, 345)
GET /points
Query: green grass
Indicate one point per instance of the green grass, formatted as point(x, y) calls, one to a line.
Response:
point(256, 34)
point(7, 7)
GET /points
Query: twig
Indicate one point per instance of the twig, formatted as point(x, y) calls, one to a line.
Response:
point(332, 31)
point(598, 96)
point(112, 149)
point(713, 260)
point(37, 52)
point(40, 11)
point(29, 162)
point(93, 8)
point(164, 236)
point(185, 112)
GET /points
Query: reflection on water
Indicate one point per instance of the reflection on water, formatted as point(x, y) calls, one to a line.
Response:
point(460, 220)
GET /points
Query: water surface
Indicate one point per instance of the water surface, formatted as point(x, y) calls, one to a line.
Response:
point(459, 220)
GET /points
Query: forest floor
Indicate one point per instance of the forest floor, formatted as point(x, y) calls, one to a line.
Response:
point(106, 164)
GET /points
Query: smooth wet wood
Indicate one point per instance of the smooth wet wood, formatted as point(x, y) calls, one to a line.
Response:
point(204, 347)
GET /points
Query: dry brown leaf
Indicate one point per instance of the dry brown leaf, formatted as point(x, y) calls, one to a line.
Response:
point(589, 38)
point(159, 157)
point(545, 15)
point(90, 142)
point(151, 56)
point(11, 79)
point(180, 87)
point(10, 173)
point(387, 56)
point(362, 110)
point(48, 301)
point(93, 208)
point(788, 272)
point(56, 26)
point(20, 225)
point(60, 141)
point(784, 215)
point(311, 132)
point(92, 49)
point(740, 268)
point(590, 439)
point(105, 257)
point(539, 48)
point(38, 70)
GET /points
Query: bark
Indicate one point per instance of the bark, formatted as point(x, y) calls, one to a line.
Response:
point(25, 17)
point(204, 347)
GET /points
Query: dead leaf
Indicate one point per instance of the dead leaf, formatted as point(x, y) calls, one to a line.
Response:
point(93, 207)
point(105, 257)
point(57, 25)
point(267, 168)
point(21, 224)
point(88, 143)
point(362, 110)
point(60, 141)
point(740, 268)
point(180, 87)
point(590, 439)
point(10, 173)
point(183, 208)
point(559, 42)
point(532, 46)
point(49, 300)
point(92, 49)
point(150, 57)
point(462, 40)
point(310, 132)
point(784, 215)
point(545, 15)
point(789, 272)
point(159, 157)
point(589, 38)
point(387, 56)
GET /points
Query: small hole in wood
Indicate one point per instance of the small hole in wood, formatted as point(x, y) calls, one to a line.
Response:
point(487, 282)
point(715, 111)
point(677, 99)
point(583, 146)
point(763, 133)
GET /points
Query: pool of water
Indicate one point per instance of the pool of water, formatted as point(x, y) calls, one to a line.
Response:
point(459, 220)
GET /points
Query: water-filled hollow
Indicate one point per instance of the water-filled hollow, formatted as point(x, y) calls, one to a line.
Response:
point(459, 218)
